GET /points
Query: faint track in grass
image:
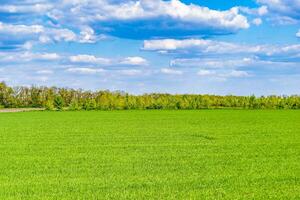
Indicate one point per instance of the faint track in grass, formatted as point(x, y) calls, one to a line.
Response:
point(13, 110)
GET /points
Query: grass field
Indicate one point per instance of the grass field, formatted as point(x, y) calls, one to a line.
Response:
point(209, 154)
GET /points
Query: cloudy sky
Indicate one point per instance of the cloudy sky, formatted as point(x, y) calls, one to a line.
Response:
point(240, 47)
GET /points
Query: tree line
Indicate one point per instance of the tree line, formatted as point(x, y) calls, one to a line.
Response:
point(53, 98)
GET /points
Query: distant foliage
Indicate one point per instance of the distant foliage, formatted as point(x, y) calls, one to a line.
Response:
point(61, 98)
point(49, 105)
point(58, 103)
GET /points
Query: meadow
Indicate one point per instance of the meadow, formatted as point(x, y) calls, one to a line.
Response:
point(152, 154)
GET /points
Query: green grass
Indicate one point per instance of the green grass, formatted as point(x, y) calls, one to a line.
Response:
point(209, 154)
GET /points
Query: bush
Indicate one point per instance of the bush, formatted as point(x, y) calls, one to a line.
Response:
point(49, 105)
point(74, 105)
point(59, 103)
point(90, 104)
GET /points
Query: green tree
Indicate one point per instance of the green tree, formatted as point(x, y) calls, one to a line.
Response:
point(49, 105)
point(58, 103)
point(74, 105)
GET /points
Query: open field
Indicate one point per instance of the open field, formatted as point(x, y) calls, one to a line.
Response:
point(207, 154)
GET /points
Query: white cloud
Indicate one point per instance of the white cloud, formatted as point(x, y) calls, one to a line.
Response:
point(130, 72)
point(46, 71)
point(40, 78)
point(204, 72)
point(191, 44)
point(212, 63)
point(87, 35)
point(62, 35)
point(81, 59)
point(257, 21)
point(47, 56)
point(32, 34)
point(236, 74)
point(125, 18)
point(85, 70)
point(284, 9)
point(29, 8)
point(89, 59)
point(171, 71)
point(282, 5)
point(230, 63)
point(27, 45)
point(210, 47)
point(261, 11)
point(134, 61)
point(298, 34)
point(21, 29)
point(35, 32)
point(282, 20)
point(221, 74)
point(180, 11)
point(28, 56)
point(117, 15)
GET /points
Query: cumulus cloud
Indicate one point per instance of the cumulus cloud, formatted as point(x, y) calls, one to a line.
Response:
point(190, 45)
point(26, 8)
point(80, 59)
point(285, 11)
point(90, 59)
point(43, 33)
point(260, 11)
point(212, 63)
point(298, 34)
point(130, 72)
point(224, 68)
point(26, 35)
point(88, 35)
point(171, 71)
point(291, 7)
point(149, 18)
point(211, 47)
point(257, 21)
point(205, 72)
point(85, 70)
point(138, 19)
point(21, 29)
point(93, 71)
point(22, 34)
point(28, 56)
point(45, 72)
point(221, 74)
point(134, 61)
point(235, 74)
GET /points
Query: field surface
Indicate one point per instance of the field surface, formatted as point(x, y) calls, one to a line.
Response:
point(209, 154)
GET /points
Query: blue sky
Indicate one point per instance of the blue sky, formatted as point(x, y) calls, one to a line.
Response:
point(239, 47)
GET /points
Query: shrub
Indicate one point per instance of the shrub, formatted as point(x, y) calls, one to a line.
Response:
point(58, 103)
point(90, 104)
point(74, 105)
point(49, 105)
